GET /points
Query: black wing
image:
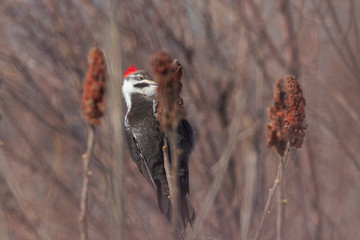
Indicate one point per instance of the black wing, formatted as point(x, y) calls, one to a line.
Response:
point(145, 146)
point(138, 158)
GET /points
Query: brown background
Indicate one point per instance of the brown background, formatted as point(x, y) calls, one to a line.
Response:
point(233, 52)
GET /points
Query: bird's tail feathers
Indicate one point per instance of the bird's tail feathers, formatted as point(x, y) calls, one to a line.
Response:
point(186, 214)
point(187, 211)
point(163, 198)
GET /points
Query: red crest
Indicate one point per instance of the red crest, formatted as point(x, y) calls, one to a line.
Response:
point(130, 70)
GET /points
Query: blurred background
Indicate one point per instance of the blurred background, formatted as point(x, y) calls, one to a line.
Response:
point(233, 52)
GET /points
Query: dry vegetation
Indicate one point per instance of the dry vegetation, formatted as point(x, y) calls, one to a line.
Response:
point(232, 54)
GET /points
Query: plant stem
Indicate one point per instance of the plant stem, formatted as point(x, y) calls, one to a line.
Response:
point(85, 188)
point(281, 201)
point(272, 190)
point(171, 170)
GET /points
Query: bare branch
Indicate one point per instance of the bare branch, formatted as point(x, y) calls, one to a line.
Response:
point(281, 201)
point(292, 52)
point(264, 34)
point(221, 167)
point(85, 188)
point(272, 191)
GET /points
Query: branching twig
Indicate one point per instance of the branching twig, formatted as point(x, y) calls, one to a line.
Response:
point(260, 23)
point(291, 50)
point(85, 188)
point(272, 190)
point(222, 167)
point(349, 63)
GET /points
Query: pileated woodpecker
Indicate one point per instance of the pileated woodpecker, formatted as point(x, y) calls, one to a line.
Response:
point(145, 141)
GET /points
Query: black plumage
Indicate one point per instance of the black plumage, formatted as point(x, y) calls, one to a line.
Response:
point(145, 141)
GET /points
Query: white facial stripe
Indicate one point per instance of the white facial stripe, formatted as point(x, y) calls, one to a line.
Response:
point(128, 88)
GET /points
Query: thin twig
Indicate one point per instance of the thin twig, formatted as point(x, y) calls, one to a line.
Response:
point(291, 51)
point(172, 179)
point(13, 203)
point(281, 201)
point(260, 23)
point(221, 167)
point(272, 191)
point(172, 183)
point(267, 207)
point(178, 230)
point(338, 47)
point(85, 188)
point(167, 164)
point(344, 37)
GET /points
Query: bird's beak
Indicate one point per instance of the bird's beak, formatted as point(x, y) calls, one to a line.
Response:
point(151, 82)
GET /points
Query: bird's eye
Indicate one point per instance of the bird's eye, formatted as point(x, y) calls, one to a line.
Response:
point(140, 78)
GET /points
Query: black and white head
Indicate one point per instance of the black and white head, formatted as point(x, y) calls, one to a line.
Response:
point(137, 81)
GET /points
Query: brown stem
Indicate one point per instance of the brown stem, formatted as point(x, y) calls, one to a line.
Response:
point(267, 206)
point(281, 201)
point(272, 191)
point(167, 164)
point(171, 171)
point(174, 193)
point(85, 188)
